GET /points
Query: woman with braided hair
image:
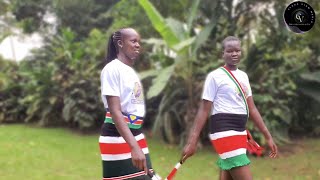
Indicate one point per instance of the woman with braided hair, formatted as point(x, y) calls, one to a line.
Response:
point(123, 146)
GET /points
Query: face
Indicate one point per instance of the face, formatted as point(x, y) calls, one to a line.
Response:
point(232, 52)
point(130, 44)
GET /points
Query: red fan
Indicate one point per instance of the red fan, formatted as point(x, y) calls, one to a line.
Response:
point(253, 147)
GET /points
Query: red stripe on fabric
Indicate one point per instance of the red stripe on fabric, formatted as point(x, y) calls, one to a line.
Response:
point(138, 122)
point(229, 143)
point(119, 148)
point(125, 176)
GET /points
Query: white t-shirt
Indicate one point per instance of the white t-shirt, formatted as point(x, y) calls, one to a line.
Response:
point(119, 79)
point(223, 92)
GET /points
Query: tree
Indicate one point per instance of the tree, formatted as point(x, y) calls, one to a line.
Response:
point(62, 81)
point(272, 66)
point(80, 16)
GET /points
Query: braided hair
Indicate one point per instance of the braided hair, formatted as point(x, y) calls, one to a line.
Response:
point(113, 49)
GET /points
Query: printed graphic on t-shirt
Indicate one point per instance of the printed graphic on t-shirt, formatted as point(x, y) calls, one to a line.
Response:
point(137, 97)
point(244, 88)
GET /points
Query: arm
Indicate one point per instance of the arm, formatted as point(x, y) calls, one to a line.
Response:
point(198, 124)
point(138, 158)
point(258, 121)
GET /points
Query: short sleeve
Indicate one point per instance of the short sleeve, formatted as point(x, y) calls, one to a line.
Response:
point(209, 88)
point(110, 82)
point(249, 91)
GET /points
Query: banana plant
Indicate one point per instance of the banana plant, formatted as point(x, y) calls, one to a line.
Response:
point(179, 39)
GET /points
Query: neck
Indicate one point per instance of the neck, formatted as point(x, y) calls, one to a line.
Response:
point(123, 58)
point(231, 67)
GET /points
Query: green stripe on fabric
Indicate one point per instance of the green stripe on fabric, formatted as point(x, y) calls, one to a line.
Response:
point(121, 167)
point(239, 88)
point(237, 161)
point(131, 126)
point(108, 120)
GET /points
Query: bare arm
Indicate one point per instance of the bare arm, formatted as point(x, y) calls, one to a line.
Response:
point(138, 158)
point(258, 121)
point(198, 124)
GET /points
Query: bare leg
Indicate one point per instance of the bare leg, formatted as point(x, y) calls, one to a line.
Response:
point(225, 175)
point(241, 173)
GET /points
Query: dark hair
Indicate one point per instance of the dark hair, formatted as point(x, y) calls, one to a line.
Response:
point(229, 38)
point(112, 49)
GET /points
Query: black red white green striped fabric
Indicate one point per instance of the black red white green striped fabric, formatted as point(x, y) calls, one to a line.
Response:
point(229, 138)
point(116, 148)
point(228, 134)
point(229, 143)
point(116, 157)
point(116, 153)
point(134, 122)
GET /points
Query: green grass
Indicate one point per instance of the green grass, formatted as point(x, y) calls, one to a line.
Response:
point(32, 153)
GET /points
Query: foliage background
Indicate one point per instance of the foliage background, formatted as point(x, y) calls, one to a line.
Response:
point(58, 84)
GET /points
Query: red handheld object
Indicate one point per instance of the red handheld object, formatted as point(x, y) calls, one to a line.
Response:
point(174, 171)
point(253, 147)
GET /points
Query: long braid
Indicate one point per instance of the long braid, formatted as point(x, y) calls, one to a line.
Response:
point(113, 48)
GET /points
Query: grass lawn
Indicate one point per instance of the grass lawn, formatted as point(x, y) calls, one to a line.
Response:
point(32, 153)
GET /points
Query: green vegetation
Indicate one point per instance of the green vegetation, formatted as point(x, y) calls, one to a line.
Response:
point(59, 85)
point(59, 154)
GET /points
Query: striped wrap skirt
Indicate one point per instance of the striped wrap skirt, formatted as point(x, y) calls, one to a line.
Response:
point(228, 136)
point(116, 153)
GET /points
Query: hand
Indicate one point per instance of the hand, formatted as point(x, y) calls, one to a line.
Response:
point(273, 147)
point(188, 151)
point(139, 159)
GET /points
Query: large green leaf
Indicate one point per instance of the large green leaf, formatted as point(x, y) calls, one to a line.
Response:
point(193, 14)
point(3, 80)
point(154, 41)
point(315, 76)
point(159, 23)
point(177, 28)
point(148, 73)
point(310, 86)
point(183, 44)
point(311, 92)
point(204, 35)
point(160, 82)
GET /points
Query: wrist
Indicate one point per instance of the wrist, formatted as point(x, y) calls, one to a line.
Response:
point(134, 145)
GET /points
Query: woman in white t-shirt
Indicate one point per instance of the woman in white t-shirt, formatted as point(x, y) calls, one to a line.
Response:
point(123, 147)
point(227, 95)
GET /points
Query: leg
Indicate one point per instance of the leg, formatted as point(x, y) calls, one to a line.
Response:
point(241, 173)
point(225, 175)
